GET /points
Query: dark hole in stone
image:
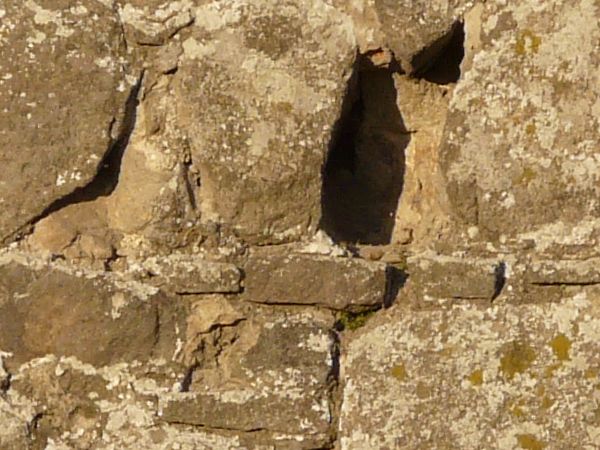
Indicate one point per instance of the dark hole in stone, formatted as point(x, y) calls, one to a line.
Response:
point(364, 172)
point(440, 62)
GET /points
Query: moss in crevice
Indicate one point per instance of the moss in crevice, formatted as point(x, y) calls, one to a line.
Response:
point(354, 320)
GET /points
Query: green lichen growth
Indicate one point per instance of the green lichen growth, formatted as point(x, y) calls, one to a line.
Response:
point(354, 321)
point(529, 442)
point(517, 358)
point(399, 372)
point(527, 42)
point(561, 346)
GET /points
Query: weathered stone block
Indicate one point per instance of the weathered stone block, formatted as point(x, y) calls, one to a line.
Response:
point(187, 274)
point(97, 319)
point(63, 89)
point(446, 277)
point(260, 87)
point(283, 388)
point(337, 283)
point(470, 377)
point(520, 152)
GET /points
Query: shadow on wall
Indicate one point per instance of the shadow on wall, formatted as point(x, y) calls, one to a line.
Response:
point(364, 172)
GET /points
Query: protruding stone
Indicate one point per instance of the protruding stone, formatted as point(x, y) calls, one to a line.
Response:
point(337, 283)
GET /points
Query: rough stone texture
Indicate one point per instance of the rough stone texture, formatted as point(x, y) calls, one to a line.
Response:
point(531, 95)
point(260, 87)
point(501, 377)
point(338, 283)
point(441, 276)
point(56, 129)
point(415, 31)
point(99, 320)
point(299, 224)
point(185, 274)
point(286, 387)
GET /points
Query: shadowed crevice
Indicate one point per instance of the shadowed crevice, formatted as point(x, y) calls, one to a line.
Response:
point(364, 173)
point(439, 63)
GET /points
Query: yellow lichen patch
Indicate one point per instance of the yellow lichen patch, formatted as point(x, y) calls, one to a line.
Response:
point(526, 176)
point(518, 412)
point(516, 359)
point(399, 372)
point(561, 346)
point(476, 377)
point(530, 129)
point(529, 442)
point(527, 42)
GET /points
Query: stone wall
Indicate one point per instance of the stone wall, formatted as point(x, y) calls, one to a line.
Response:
point(299, 224)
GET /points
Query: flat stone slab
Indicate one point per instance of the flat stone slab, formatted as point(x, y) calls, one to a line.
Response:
point(337, 283)
point(188, 274)
point(564, 272)
point(506, 377)
point(448, 277)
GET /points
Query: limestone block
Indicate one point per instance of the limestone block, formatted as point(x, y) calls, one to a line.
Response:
point(521, 138)
point(337, 283)
point(188, 274)
point(260, 87)
point(465, 376)
point(63, 88)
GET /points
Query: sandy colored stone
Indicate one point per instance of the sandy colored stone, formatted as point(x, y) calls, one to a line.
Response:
point(260, 87)
point(188, 274)
point(284, 389)
point(337, 283)
point(415, 31)
point(436, 277)
point(464, 377)
point(520, 152)
point(63, 88)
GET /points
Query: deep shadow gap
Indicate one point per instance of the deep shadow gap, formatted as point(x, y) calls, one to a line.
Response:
point(440, 62)
point(364, 172)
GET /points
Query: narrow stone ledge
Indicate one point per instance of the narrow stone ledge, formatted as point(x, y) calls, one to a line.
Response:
point(449, 277)
point(185, 274)
point(336, 283)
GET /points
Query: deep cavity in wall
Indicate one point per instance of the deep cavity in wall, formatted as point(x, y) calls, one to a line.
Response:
point(364, 173)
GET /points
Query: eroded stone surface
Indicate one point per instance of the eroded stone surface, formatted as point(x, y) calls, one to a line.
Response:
point(260, 87)
point(465, 376)
point(63, 88)
point(287, 387)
